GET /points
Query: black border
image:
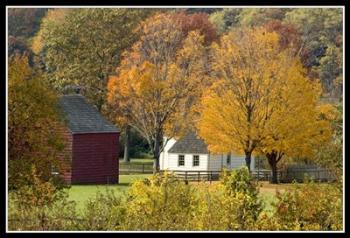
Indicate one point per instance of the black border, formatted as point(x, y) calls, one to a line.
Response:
point(184, 3)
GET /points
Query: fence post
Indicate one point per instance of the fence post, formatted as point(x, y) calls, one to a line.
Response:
point(258, 169)
point(186, 176)
point(143, 168)
point(198, 176)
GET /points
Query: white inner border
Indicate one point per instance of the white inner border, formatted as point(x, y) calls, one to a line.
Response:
point(184, 6)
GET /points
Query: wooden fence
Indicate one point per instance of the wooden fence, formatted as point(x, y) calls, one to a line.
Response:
point(299, 174)
point(135, 168)
point(283, 176)
point(198, 176)
point(262, 175)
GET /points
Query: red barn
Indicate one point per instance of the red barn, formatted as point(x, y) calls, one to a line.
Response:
point(92, 146)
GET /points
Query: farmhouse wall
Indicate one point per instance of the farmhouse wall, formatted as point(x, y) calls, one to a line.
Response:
point(218, 161)
point(163, 157)
point(173, 162)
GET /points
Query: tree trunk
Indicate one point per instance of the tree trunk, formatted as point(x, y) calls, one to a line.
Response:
point(272, 159)
point(248, 158)
point(127, 145)
point(157, 142)
point(274, 173)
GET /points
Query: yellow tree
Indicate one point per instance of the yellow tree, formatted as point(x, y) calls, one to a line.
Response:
point(260, 92)
point(157, 80)
point(295, 127)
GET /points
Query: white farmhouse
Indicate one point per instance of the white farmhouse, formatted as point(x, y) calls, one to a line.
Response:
point(190, 153)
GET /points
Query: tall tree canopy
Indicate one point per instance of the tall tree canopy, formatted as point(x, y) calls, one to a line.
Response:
point(258, 97)
point(253, 17)
point(315, 32)
point(330, 154)
point(322, 32)
point(17, 47)
point(196, 21)
point(82, 46)
point(157, 78)
point(24, 22)
point(295, 126)
point(225, 19)
point(33, 119)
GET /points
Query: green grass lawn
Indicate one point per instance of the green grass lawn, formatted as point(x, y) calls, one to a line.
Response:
point(81, 193)
point(148, 161)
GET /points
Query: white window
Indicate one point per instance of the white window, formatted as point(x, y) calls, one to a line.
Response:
point(181, 160)
point(195, 160)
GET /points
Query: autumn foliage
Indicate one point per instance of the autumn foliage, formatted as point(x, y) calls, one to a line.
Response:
point(157, 80)
point(262, 101)
point(199, 22)
point(164, 203)
point(32, 124)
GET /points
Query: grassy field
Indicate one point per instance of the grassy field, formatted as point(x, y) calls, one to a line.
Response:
point(81, 193)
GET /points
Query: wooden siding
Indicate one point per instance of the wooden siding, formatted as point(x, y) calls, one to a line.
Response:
point(66, 155)
point(169, 161)
point(163, 158)
point(95, 158)
point(218, 161)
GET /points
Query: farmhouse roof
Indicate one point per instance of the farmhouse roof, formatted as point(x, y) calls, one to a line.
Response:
point(189, 144)
point(83, 117)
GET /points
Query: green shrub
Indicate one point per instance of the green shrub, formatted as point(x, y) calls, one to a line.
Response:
point(216, 210)
point(160, 203)
point(307, 206)
point(106, 211)
point(41, 205)
point(240, 186)
point(163, 202)
point(60, 215)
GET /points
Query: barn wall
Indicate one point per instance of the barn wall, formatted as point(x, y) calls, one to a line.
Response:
point(95, 158)
point(173, 162)
point(66, 155)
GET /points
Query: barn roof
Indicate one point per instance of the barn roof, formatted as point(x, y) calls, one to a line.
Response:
point(83, 117)
point(189, 144)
